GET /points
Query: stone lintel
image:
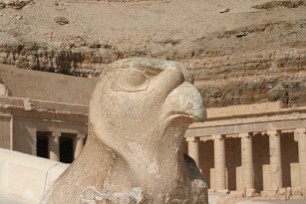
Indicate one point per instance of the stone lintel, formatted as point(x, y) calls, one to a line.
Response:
point(56, 134)
point(273, 132)
point(232, 136)
point(288, 130)
point(246, 134)
point(218, 137)
point(192, 139)
point(205, 138)
point(81, 136)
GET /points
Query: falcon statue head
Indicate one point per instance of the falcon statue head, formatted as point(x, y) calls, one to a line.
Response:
point(139, 112)
point(141, 102)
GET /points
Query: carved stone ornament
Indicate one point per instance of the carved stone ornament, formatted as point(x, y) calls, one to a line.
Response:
point(138, 116)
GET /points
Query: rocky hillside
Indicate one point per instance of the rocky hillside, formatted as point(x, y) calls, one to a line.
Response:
point(239, 52)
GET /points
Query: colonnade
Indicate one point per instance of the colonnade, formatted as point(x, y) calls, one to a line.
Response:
point(54, 145)
point(247, 163)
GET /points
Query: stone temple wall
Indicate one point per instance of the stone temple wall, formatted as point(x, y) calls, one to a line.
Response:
point(46, 86)
point(252, 149)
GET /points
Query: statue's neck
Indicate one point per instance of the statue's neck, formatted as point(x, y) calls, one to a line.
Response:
point(155, 171)
point(148, 168)
point(151, 165)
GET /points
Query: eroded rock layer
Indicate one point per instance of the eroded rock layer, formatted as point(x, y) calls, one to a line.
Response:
point(238, 52)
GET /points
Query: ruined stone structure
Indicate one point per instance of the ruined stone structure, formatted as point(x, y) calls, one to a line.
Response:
point(245, 136)
point(238, 52)
point(43, 128)
point(242, 134)
point(36, 119)
point(252, 148)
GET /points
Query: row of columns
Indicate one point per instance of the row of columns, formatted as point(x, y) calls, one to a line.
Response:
point(54, 146)
point(247, 158)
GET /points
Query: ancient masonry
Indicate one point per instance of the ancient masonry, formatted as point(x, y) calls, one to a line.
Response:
point(252, 148)
point(38, 120)
point(28, 124)
point(245, 149)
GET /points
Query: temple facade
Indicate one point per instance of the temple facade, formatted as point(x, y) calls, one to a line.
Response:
point(249, 149)
point(246, 149)
point(43, 114)
point(47, 129)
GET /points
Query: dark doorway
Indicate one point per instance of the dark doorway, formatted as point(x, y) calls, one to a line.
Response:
point(289, 156)
point(42, 144)
point(261, 157)
point(66, 148)
point(206, 151)
point(233, 160)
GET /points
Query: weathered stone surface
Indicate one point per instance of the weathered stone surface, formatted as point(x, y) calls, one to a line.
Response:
point(19, 4)
point(138, 115)
point(26, 178)
point(76, 90)
point(61, 20)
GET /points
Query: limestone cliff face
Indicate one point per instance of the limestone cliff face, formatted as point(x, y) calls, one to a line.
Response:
point(254, 77)
point(237, 52)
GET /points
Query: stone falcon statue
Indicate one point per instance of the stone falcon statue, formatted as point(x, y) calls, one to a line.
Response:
point(138, 115)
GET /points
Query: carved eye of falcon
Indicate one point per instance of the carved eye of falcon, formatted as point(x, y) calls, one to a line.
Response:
point(133, 79)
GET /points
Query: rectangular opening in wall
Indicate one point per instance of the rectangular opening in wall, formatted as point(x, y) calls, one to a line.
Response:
point(42, 144)
point(66, 147)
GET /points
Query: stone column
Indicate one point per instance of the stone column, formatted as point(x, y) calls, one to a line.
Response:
point(247, 161)
point(219, 160)
point(193, 149)
point(275, 159)
point(78, 144)
point(54, 150)
point(302, 156)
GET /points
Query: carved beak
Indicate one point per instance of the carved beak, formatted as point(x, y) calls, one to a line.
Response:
point(185, 101)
